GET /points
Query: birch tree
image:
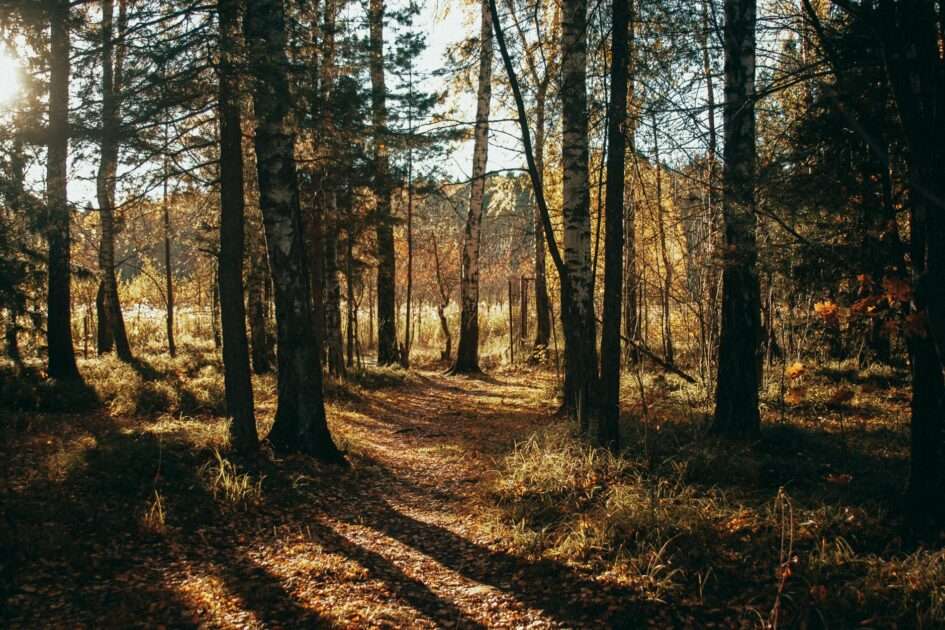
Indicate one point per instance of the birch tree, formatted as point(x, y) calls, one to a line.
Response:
point(300, 424)
point(467, 353)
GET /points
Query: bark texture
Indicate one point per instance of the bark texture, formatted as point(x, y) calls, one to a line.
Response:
point(577, 300)
point(111, 322)
point(386, 270)
point(62, 363)
point(608, 433)
point(911, 34)
point(736, 400)
point(300, 424)
point(236, 376)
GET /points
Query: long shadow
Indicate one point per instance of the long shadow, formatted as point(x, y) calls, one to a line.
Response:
point(78, 543)
point(569, 597)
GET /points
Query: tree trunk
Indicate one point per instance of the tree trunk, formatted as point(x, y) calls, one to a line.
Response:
point(259, 334)
point(62, 363)
point(542, 305)
point(577, 301)
point(215, 305)
point(710, 321)
point(608, 430)
point(443, 302)
point(111, 321)
point(910, 33)
point(349, 298)
point(467, 353)
point(336, 359)
point(168, 267)
point(236, 376)
point(386, 271)
point(666, 283)
point(300, 424)
point(736, 402)
point(257, 264)
point(631, 319)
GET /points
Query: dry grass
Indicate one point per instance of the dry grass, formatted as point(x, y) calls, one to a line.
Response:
point(798, 528)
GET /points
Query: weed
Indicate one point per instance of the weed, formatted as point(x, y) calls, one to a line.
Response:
point(233, 488)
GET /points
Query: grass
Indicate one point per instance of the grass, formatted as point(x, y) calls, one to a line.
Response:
point(800, 528)
point(228, 485)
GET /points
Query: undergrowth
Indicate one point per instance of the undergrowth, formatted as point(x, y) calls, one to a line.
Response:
point(799, 528)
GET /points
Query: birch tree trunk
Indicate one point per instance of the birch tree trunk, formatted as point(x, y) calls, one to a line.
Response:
point(62, 363)
point(577, 301)
point(111, 321)
point(300, 424)
point(608, 431)
point(736, 400)
point(467, 353)
point(236, 376)
point(386, 270)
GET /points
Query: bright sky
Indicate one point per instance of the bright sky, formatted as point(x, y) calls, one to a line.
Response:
point(10, 79)
point(445, 23)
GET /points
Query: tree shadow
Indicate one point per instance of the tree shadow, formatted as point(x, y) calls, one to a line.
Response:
point(561, 592)
point(77, 552)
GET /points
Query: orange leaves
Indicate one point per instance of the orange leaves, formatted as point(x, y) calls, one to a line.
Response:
point(829, 312)
point(795, 370)
point(868, 306)
point(897, 289)
point(795, 395)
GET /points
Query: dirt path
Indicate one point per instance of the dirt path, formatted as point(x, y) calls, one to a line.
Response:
point(399, 540)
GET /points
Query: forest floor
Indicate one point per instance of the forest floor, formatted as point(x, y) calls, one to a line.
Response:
point(465, 505)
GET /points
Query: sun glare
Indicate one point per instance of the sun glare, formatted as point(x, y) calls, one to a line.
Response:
point(9, 78)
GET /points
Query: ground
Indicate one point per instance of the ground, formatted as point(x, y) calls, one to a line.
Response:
point(442, 519)
point(394, 541)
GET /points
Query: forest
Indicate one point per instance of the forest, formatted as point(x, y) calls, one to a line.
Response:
point(472, 314)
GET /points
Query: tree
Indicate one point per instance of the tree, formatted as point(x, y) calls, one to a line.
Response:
point(577, 299)
point(467, 353)
point(62, 363)
point(608, 432)
point(911, 35)
point(237, 381)
point(300, 424)
point(736, 401)
point(111, 322)
point(542, 81)
point(386, 316)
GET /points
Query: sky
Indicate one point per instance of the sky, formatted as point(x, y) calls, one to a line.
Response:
point(445, 24)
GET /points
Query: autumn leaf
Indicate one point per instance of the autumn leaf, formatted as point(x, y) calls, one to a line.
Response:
point(795, 370)
point(897, 289)
point(829, 312)
point(795, 395)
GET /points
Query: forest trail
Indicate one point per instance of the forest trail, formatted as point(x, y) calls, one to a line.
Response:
point(399, 540)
